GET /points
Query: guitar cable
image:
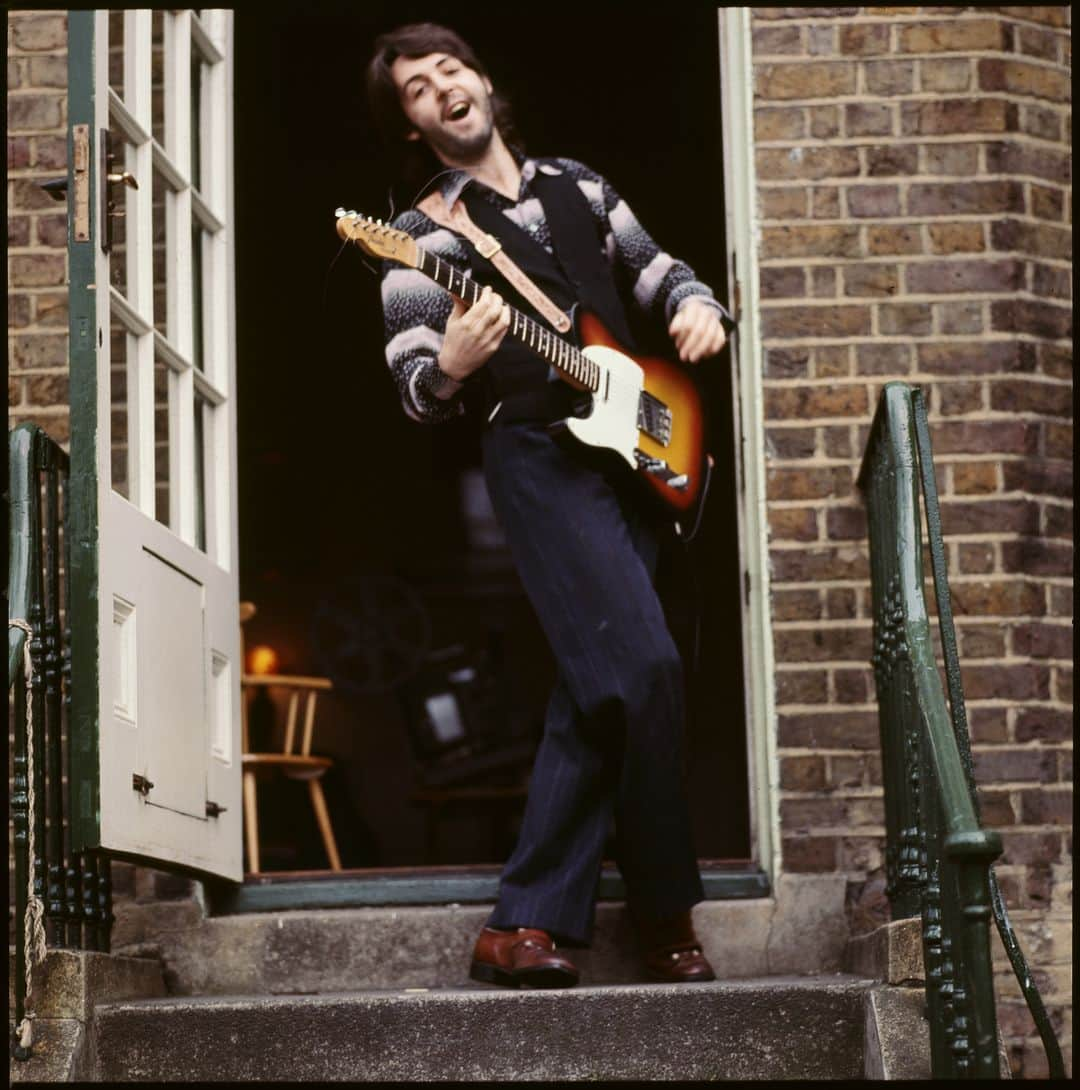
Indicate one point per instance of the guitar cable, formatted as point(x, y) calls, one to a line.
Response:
point(691, 560)
point(692, 565)
point(389, 218)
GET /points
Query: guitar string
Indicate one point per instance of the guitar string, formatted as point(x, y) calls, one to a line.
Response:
point(586, 370)
point(549, 345)
point(531, 332)
point(578, 365)
point(584, 365)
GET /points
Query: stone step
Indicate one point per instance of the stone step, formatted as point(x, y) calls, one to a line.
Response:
point(66, 987)
point(332, 950)
point(773, 1028)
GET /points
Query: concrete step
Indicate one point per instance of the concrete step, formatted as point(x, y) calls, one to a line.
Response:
point(66, 987)
point(333, 950)
point(773, 1028)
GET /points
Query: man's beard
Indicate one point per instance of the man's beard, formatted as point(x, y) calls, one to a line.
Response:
point(464, 149)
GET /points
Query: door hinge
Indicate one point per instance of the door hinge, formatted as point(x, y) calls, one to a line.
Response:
point(140, 784)
point(213, 809)
point(746, 586)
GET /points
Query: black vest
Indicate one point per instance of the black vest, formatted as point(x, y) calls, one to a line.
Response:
point(577, 273)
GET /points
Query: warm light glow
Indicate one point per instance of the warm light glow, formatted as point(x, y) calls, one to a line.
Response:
point(262, 660)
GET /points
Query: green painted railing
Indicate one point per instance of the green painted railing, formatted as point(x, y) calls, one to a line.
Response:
point(71, 895)
point(938, 857)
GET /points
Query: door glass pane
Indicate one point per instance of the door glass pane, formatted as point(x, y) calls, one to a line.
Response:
point(160, 238)
point(202, 411)
point(198, 244)
point(118, 416)
point(196, 113)
point(157, 77)
point(162, 395)
point(116, 52)
point(118, 212)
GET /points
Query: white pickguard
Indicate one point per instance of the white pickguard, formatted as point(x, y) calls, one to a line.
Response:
point(613, 421)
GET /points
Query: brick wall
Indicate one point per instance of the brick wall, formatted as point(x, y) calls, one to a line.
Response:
point(37, 254)
point(914, 187)
point(37, 225)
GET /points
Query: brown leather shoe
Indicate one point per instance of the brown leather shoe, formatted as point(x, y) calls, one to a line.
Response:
point(670, 949)
point(523, 956)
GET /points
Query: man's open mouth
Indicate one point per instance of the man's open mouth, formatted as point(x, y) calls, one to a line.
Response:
point(458, 111)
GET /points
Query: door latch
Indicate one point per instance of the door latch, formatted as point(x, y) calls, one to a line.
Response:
point(109, 178)
point(213, 809)
point(141, 784)
point(56, 188)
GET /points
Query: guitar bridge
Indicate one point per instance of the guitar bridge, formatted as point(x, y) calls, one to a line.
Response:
point(654, 418)
point(657, 467)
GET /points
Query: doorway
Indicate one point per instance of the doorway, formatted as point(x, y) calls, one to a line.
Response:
point(337, 487)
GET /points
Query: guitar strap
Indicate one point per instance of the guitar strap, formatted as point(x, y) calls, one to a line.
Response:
point(457, 218)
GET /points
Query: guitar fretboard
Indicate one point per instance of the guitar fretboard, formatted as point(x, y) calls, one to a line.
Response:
point(559, 353)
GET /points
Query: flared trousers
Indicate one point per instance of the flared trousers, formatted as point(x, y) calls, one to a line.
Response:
point(613, 736)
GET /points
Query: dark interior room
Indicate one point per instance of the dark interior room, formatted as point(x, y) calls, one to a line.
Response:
point(366, 541)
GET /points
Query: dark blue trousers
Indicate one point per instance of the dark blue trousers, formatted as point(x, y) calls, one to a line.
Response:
point(613, 735)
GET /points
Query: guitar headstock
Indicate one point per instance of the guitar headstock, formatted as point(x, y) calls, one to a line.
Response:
point(377, 238)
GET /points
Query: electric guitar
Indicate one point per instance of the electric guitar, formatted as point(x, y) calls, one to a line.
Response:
point(644, 408)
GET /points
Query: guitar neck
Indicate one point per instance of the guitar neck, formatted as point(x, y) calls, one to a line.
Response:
point(563, 356)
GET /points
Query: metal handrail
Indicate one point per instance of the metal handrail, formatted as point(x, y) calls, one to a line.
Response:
point(1055, 1061)
point(938, 855)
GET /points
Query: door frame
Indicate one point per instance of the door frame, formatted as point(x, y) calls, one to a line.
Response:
point(270, 892)
point(743, 233)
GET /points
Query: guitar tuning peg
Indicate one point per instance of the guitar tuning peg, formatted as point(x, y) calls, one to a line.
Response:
point(339, 212)
point(351, 212)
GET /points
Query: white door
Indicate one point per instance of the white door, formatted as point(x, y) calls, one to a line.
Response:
point(154, 418)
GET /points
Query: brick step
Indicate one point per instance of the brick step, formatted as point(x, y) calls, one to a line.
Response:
point(772, 1028)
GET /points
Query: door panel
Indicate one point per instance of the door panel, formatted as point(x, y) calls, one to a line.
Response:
point(153, 440)
point(173, 688)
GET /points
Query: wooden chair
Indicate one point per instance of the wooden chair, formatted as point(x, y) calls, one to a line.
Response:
point(300, 765)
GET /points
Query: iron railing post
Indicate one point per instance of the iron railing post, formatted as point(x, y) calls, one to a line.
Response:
point(77, 906)
point(958, 712)
point(934, 812)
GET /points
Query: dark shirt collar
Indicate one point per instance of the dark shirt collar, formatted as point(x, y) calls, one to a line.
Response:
point(453, 183)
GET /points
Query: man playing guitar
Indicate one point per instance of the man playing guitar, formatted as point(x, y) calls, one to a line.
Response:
point(584, 544)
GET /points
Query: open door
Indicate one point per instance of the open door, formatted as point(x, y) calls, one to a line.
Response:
point(154, 628)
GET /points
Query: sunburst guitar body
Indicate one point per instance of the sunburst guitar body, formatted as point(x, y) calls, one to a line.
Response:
point(644, 408)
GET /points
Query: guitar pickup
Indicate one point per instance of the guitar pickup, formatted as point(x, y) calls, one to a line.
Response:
point(654, 418)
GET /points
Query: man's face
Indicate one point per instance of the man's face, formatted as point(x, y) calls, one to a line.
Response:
point(447, 103)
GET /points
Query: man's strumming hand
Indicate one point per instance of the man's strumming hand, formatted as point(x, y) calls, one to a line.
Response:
point(697, 331)
point(473, 335)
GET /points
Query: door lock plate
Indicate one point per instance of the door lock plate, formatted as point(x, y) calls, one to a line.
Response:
point(80, 168)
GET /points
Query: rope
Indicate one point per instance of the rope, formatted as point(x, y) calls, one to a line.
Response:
point(35, 909)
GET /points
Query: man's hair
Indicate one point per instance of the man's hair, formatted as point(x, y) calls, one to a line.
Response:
point(412, 160)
